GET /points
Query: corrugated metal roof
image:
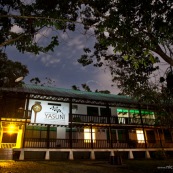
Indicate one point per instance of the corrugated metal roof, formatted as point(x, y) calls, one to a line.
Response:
point(70, 93)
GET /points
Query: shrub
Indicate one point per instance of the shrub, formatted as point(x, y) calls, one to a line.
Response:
point(160, 155)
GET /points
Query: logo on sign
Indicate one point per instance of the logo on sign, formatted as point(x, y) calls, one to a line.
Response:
point(56, 115)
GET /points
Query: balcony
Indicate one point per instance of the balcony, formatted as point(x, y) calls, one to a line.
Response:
point(77, 118)
point(94, 144)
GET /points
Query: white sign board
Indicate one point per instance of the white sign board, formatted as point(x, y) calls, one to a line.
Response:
point(56, 113)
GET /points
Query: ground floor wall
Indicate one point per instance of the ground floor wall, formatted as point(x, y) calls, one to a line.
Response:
point(88, 154)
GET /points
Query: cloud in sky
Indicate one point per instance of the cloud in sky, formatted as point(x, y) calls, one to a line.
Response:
point(16, 29)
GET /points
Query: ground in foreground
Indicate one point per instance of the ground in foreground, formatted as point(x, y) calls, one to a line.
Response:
point(130, 166)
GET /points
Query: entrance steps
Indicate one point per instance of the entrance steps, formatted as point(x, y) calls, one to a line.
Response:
point(6, 153)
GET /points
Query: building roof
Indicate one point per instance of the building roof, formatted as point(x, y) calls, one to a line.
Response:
point(69, 93)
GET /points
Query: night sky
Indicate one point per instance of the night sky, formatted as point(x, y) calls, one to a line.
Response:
point(61, 65)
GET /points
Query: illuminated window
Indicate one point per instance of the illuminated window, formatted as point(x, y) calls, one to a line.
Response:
point(87, 135)
point(140, 136)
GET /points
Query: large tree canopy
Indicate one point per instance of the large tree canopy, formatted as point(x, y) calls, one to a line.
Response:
point(134, 29)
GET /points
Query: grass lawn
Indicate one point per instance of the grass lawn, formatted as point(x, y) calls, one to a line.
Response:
point(129, 166)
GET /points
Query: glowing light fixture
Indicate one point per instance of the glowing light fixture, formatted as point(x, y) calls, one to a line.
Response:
point(11, 129)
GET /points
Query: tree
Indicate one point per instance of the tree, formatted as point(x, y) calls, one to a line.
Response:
point(10, 71)
point(132, 28)
point(130, 34)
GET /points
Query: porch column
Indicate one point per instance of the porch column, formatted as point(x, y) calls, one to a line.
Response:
point(71, 155)
point(47, 156)
point(21, 157)
point(147, 155)
point(92, 155)
point(130, 155)
point(112, 153)
point(142, 125)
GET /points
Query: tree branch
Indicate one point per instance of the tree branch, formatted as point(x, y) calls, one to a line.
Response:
point(163, 55)
point(11, 40)
point(38, 17)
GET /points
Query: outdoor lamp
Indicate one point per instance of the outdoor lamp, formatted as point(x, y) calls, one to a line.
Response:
point(19, 79)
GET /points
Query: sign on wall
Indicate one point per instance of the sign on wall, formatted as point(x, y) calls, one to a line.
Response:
point(48, 112)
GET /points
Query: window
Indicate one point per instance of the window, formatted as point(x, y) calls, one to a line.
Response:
point(122, 135)
point(87, 135)
point(9, 138)
point(92, 111)
point(74, 108)
point(105, 112)
point(168, 136)
point(39, 132)
point(150, 136)
point(74, 134)
point(140, 136)
point(113, 135)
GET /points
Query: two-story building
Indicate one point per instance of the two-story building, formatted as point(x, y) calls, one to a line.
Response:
point(38, 122)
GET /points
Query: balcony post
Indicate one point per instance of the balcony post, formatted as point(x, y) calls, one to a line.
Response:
point(109, 128)
point(48, 135)
point(160, 138)
point(70, 124)
point(91, 137)
point(26, 117)
point(142, 125)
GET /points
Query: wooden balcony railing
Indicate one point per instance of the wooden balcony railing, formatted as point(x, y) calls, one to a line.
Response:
point(95, 144)
point(77, 118)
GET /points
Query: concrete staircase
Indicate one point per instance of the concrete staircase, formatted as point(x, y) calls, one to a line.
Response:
point(6, 153)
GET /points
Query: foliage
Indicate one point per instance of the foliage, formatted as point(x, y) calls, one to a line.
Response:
point(130, 37)
point(10, 71)
point(46, 82)
point(160, 155)
point(134, 29)
point(85, 87)
point(32, 18)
